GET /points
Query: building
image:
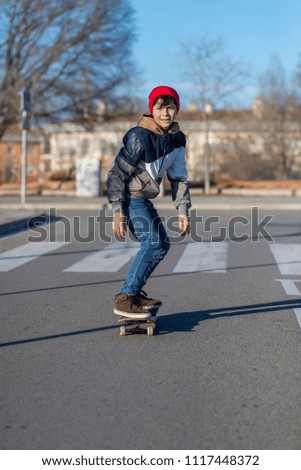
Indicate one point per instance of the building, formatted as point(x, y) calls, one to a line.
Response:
point(240, 144)
point(11, 156)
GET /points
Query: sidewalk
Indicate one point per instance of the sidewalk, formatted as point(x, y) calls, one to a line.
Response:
point(15, 216)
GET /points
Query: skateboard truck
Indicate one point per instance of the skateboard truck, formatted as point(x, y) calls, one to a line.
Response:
point(136, 325)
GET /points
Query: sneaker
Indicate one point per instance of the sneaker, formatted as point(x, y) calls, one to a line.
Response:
point(148, 303)
point(128, 305)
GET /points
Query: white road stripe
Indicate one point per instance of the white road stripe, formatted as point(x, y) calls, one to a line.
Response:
point(289, 286)
point(109, 259)
point(203, 256)
point(288, 257)
point(298, 315)
point(16, 257)
point(291, 289)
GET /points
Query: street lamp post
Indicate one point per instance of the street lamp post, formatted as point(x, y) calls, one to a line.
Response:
point(25, 126)
point(23, 166)
point(207, 112)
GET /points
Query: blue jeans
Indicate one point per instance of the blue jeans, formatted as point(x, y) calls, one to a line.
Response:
point(144, 222)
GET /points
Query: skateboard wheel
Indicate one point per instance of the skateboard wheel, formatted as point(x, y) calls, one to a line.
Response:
point(150, 331)
point(122, 331)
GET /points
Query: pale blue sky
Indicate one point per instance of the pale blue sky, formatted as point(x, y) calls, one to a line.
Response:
point(252, 29)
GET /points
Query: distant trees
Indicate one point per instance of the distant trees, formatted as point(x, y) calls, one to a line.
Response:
point(219, 81)
point(240, 160)
point(280, 118)
point(69, 54)
point(297, 81)
point(273, 148)
point(216, 78)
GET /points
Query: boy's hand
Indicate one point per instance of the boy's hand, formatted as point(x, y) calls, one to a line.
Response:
point(183, 224)
point(119, 225)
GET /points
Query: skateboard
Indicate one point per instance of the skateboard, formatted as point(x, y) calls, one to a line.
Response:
point(136, 325)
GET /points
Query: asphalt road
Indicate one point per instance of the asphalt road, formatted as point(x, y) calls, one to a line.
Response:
point(222, 372)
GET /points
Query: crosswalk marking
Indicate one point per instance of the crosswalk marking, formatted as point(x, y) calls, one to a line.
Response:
point(16, 257)
point(110, 259)
point(298, 315)
point(204, 257)
point(288, 257)
point(197, 257)
point(289, 285)
point(207, 257)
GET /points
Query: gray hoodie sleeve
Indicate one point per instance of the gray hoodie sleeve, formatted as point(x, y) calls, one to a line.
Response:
point(178, 177)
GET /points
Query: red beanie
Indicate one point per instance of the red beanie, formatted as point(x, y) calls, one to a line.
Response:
point(162, 90)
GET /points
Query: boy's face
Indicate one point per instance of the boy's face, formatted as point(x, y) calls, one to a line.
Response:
point(164, 115)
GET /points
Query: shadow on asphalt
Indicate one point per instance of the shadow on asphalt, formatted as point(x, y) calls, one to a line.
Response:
point(187, 321)
point(178, 322)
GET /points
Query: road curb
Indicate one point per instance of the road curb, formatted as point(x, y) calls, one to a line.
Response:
point(164, 205)
point(60, 205)
point(226, 191)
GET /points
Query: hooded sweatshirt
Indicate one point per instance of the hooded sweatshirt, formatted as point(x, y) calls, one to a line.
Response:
point(148, 153)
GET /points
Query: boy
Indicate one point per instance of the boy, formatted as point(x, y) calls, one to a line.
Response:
point(154, 147)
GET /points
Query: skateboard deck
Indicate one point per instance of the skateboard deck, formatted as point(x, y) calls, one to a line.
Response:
point(135, 325)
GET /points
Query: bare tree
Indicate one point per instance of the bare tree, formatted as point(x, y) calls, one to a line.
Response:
point(216, 78)
point(69, 54)
point(297, 81)
point(280, 113)
point(240, 161)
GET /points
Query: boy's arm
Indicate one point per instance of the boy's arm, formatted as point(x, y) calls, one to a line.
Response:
point(184, 225)
point(119, 225)
point(178, 177)
point(117, 176)
point(124, 166)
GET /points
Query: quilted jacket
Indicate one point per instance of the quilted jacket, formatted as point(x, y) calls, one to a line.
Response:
point(148, 153)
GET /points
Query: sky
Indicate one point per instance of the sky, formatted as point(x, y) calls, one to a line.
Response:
point(252, 30)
